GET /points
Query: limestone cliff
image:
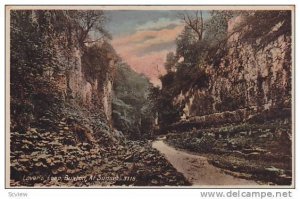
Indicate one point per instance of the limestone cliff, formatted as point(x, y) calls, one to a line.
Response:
point(76, 86)
point(247, 81)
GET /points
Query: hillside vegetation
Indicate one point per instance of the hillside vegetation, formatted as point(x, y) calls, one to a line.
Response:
point(227, 92)
point(61, 84)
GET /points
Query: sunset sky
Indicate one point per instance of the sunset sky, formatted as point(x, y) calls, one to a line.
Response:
point(143, 38)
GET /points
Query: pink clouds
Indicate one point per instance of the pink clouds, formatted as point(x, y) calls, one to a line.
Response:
point(145, 51)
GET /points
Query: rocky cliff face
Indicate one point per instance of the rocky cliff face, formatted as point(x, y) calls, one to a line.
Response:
point(248, 80)
point(76, 86)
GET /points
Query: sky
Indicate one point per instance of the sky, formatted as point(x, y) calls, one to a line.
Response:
point(143, 38)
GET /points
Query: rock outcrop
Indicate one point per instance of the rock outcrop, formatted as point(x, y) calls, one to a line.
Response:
point(76, 86)
point(250, 78)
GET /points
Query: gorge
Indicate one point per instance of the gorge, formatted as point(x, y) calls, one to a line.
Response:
point(77, 109)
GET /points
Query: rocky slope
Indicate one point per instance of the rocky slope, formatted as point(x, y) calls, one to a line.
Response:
point(77, 148)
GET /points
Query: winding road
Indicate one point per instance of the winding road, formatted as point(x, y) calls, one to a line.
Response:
point(196, 168)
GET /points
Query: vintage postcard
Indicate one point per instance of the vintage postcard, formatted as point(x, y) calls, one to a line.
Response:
point(150, 96)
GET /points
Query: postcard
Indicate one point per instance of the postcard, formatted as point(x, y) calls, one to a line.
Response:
point(150, 96)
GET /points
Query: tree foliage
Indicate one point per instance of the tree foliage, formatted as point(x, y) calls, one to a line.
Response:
point(87, 21)
point(32, 36)
point(96, 61)
point(170, 62)
point(265, 25)
point(131, 110)
point(163, 108)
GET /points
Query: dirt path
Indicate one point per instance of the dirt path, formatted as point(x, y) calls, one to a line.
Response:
point(196, 168)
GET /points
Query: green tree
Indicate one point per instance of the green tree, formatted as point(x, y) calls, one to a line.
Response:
point(87, 21)
point(131, 110)
point(170, 61)
point(266, 25)
point(163, 108)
